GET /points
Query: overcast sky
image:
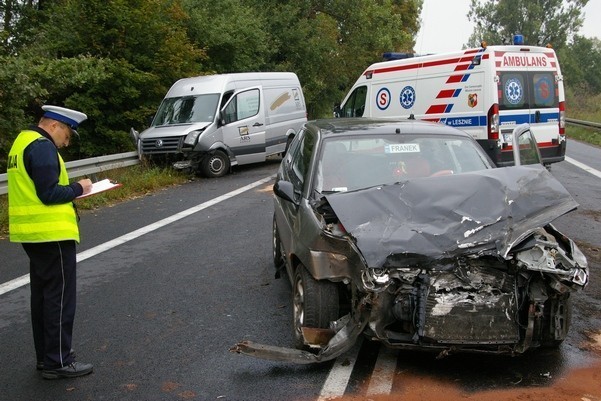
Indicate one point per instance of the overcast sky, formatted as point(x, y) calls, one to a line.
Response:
point(445, 26)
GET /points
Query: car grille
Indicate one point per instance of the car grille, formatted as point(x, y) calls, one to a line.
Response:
point(161, 145)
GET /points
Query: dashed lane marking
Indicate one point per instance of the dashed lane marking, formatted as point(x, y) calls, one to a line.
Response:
point(383, 374)
point(337, 380)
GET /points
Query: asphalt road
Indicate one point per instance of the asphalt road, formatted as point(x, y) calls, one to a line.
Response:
point(161, 301)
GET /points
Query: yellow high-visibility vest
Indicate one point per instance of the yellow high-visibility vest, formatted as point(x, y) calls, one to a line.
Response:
point(29, 220)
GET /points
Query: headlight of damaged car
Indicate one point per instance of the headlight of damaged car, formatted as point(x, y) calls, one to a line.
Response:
point(192, 137)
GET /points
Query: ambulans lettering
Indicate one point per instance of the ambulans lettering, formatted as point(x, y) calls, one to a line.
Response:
point(524, 61)
point(12, 162)
point(407, 97)
point(383, 99)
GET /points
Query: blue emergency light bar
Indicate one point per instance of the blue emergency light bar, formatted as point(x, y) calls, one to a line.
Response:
point(518, 39)
point(388, 56)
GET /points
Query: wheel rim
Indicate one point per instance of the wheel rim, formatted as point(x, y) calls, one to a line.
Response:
point(216, 165)
point(299, 309)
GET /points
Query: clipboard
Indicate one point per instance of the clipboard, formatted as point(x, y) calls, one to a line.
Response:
point(100, 186)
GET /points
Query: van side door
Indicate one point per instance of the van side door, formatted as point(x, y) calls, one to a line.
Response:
point(243, 125)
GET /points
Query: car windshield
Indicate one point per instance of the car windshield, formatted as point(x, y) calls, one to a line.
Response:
point(351, 163)
point(187, 110)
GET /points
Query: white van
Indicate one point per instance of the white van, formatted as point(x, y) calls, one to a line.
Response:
point(210, 123)
point(486, 92)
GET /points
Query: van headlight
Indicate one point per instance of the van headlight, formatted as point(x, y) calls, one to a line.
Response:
point(192, 137)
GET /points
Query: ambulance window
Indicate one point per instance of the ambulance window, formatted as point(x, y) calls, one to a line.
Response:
point(355, 105)
point(513, 91)
point(543, 94)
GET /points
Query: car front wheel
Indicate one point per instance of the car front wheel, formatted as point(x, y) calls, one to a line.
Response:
point(316, 303)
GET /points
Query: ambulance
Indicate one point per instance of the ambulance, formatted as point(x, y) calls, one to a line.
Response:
point(486, 92)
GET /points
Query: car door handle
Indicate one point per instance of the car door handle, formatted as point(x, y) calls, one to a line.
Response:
point(257, 124)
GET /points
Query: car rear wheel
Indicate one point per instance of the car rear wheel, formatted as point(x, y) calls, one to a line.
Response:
point(278, 258)
point(215, 165)
point(316, 303)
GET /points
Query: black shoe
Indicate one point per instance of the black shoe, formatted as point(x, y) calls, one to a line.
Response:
point(75, 369)
point(40, 364)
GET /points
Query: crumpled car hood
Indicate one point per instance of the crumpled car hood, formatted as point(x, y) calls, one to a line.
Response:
point(428, 219)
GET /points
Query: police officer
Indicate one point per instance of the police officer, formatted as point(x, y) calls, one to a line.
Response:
point(42, 217)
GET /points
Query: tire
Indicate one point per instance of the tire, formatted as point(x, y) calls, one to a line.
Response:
point(557, 317)
point(315, 303)
point(278, 257)
point(215, 165)
point(288, 142)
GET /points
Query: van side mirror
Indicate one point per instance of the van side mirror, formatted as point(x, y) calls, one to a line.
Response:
point(525, 148)
point(285, 190)
point(337, 110)
point(221, 118)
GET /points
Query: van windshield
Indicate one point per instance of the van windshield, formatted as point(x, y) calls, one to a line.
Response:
point(187, 110)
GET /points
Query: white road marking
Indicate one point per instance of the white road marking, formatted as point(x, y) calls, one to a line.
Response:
point(24, 280)
point(337, 380)
point(382, 376)
point(583, 166)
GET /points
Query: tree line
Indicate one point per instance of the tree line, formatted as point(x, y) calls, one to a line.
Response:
point(115, 59)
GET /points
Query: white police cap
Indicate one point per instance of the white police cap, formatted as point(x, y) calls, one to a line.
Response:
point(71, 118)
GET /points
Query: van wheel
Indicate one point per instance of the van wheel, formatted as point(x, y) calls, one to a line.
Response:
point(288, 142)
point(315, 303)
point(215, 165)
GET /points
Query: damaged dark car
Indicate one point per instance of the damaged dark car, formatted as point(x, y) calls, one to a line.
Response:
point(404, 231)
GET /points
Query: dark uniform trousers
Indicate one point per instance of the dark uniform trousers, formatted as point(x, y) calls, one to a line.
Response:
point(53, 288)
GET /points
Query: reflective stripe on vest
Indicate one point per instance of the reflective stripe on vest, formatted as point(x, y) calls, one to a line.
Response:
point(29, 220)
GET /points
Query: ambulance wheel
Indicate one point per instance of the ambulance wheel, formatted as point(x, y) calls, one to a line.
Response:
point(315, 303)
point(215, 165)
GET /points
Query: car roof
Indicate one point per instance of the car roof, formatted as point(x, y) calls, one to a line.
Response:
point(362, 126)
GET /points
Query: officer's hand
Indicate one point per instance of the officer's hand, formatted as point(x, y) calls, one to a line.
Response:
point(86, 184)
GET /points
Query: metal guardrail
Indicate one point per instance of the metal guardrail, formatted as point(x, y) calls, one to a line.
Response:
point(93, 165)
point(581, 123)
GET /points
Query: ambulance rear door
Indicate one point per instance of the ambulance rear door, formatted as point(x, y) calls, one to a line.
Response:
point(530, 90)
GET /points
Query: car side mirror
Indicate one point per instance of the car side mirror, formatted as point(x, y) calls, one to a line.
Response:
point(525, 148)
point(285, 190)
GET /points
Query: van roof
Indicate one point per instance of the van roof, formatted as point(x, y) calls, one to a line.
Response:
point(217, 83)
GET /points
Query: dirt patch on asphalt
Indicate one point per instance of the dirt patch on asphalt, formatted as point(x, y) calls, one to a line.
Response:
point(578, 385)
point(595, 214)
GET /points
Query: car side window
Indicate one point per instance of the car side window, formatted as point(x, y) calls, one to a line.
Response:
point(301, 160)
point(243, 105)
